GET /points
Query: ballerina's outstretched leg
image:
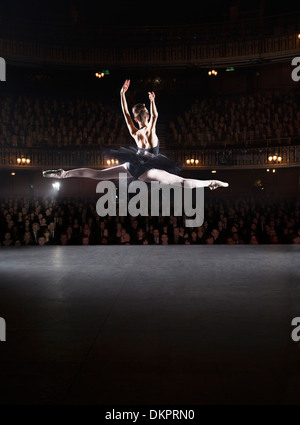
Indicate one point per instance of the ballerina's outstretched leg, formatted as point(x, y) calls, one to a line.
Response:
point(164, 177)
point(154, 174)
point(90, 173)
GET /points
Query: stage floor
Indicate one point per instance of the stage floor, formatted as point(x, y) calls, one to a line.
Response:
point(149, 325)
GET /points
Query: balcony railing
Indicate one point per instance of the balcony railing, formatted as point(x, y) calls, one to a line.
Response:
point(238, 157)
point(96, 157)
point(177, 54)
point(248, 26)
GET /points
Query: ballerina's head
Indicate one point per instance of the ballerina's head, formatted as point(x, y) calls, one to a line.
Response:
point(141, 114)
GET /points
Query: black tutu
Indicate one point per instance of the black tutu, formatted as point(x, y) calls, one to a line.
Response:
point(141, 160)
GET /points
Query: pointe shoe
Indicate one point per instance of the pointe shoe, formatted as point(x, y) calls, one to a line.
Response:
point(214, 184)
point(55, 174)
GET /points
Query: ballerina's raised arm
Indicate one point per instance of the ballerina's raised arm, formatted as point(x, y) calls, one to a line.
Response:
point(131, 127)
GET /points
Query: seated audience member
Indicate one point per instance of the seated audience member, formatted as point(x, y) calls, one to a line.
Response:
point(201, 237)
point(73, 239)
point(35, 232)
point(237, 240)
point(46, 235)
point(155, 237)
point(164, 239)
point(107, 237)
point(85, 239)
point(253, 240)
point(27, 239)
point(53, 233)
point(193, 239)
point(296, 239)
point(125, 237)
point(64, 239)
point(229, 241)
point(215, 234)
point(104, 241)
point(41, 240)
point(176, 238)
point(141, 235)
point(7, 240)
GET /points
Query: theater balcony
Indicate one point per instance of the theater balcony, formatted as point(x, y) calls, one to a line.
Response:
point(268, 154)
point(273, 38)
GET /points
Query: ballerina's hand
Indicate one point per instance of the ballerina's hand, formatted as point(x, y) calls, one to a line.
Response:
point(125, 86)
point(151, 96)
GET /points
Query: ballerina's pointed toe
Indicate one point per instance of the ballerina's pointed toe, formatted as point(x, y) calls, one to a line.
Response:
point(54, 174)
point(217, 183)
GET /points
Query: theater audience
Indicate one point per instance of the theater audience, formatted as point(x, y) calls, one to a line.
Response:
point(243, 221)
point(237, 119)
point(30, 121)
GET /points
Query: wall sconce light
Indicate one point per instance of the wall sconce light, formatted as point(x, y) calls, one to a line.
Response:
point(192, 161)
point(102, 74)
point(274, 158)
point(112, 161)
point(23, 160)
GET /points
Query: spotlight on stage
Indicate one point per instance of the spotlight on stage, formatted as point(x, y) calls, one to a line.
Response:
point(56, 186)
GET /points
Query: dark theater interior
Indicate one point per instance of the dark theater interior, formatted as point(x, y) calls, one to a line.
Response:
point(94, 310)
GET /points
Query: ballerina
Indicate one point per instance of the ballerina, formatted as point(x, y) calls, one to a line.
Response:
point(143, 162)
